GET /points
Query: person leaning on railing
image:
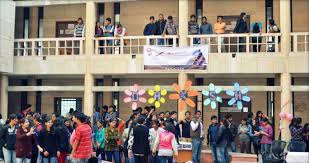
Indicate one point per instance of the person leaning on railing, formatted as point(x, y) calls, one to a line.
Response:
point(99, 33)
point(170, 29)
point(150, 29)
point(273, 28)
point(193, 28)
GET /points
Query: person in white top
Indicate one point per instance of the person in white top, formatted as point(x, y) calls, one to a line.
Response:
point(197, 136)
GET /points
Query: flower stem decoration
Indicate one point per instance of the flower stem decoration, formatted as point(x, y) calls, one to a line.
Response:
point(134, 96)
point(157, 96)
point(213, 96)
point(238, 96)
point(183, 96)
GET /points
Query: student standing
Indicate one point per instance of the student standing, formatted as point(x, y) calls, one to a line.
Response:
point(108, 31)
point(82, 143)
point(306, 135)
point(150, 29)
point(222, 141)
point(62, 137)
point(244, 137)
point(170, 29)
point(256, 136)
point(241, 27)
point(166, 145)
point(111, 139)
point(8, 138)
point(138, 145)
point(48, 143)
point(185, 125)
point(193, 28)
point(160, 25)
point(99, 137)
point(24, 140)
point(197, 135)
point(233, 132)
point(266, 140)
point(272, 28)
point(219, 28)
point(212, 135)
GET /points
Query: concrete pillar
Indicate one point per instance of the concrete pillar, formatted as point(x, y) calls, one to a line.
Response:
point(182, 78)
point(34, 14)
point(285, 78)
point(183, 22)
point(107, 96)
point(31, 99)
point(4, 95)
point(89, 51)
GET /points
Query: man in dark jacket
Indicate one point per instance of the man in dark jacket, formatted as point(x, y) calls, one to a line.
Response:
point(212, 135)
point(233, 131)
point(138, 144)
point(185, 125)
point(8, 139)
point(160, 25)
point(150, 29)
point(241, 27)
point(176, 125)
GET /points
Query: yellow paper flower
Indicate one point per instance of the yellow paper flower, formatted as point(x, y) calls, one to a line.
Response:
point(156, 96)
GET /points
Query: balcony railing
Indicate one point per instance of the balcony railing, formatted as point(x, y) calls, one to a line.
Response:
point(224, 43)
point(49, 46)
point(300, 42)
point(238, 43)
point(131, 44)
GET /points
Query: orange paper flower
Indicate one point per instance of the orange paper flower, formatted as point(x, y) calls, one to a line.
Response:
point(183, 96)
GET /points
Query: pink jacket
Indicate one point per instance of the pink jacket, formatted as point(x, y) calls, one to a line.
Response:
point(166, 140)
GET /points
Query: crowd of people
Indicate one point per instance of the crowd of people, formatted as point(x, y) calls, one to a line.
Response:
point(162, 27)
point(147, 136)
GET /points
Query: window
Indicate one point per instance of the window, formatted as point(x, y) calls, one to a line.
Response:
point(63, 105)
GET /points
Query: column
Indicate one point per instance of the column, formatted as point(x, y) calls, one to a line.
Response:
point(31, 99)
point(182, 78)
point(107, 96)
point(4, 95)
point(285, 78)
point(34, 22)
point(89, 50)
point(183, 22)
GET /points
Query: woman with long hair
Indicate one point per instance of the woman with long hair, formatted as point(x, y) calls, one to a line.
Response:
point(256, 136)
point(62, 136)
point(99, 137)
point(24, 142)
point(166, 145)
point(48, 143)
point(267, 137)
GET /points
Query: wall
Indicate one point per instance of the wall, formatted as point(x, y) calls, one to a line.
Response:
point(300, 21)
point(61, 13)
point(301, 103)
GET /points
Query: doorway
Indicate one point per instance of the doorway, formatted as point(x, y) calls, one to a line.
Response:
point(62, 105)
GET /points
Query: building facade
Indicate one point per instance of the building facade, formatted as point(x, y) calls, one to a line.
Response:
point(42, 64)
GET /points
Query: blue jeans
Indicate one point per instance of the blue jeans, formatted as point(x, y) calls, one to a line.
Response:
point(164, 159)
point(160, 41)
point(50, 160)
point(233, 146)
point(40, 159)
point(196, 150)
point(23, 160)
point(111, 154)
point(129, 160)
point(80, 160)
point(265, 151)
point(9, 155)
point(213, 149)
point(154, 159)
point(222, 154)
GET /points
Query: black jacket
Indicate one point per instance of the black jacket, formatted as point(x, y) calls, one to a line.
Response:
point(8, 137)
point(160, 25)
point(141, 142)
point(241, 26)
point(48, 141)
point(62, 136)
point(186, 128)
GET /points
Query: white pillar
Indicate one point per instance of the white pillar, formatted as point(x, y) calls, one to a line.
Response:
point(285, 78)
point(4, 95)
point(183, 22)
point(89, 51)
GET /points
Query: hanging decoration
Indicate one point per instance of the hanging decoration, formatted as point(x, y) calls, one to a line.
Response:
point(213, 96)
point(285, 115)
point(238, 96)
point(183, 96)
point(134, 96)
point(157, 96)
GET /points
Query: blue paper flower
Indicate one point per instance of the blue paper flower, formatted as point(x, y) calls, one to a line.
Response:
point(213, 94)
point(238, 96)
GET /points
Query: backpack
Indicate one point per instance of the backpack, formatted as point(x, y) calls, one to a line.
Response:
point(93, 160)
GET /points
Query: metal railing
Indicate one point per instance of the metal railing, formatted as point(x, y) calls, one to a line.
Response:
point(49, 46)
point(300, 42)
point(238, 43)
point(131, 44)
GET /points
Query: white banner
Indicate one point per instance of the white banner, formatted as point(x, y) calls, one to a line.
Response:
point(195, 57)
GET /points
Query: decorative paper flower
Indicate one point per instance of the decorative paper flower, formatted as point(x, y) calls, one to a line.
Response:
point(157, 96)
point(183, 96)
point(213, 94)
point(238, 96)
point(134, 96)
